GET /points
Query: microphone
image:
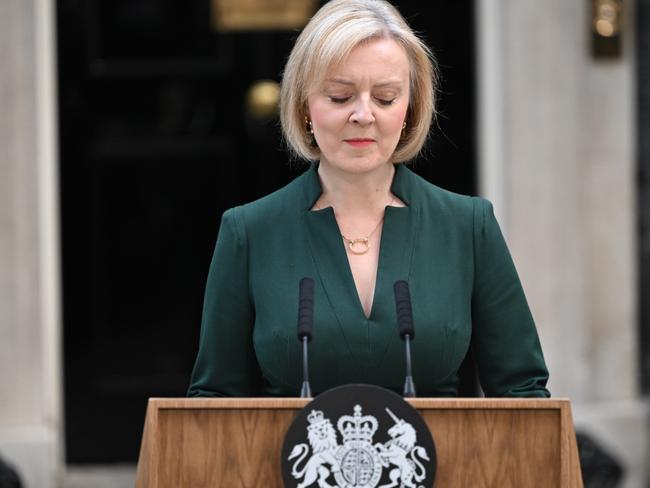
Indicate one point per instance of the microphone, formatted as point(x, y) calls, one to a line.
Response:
point(305, 327)
point(405, 329)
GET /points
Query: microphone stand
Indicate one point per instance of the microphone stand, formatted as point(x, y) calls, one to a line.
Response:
point(305, 391)
point(409, 386)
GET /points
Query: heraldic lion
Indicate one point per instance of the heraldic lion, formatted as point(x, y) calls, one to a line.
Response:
point(322, 439)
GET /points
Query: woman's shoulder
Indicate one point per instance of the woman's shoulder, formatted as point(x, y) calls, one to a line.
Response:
point(435, 199)
point(282, 205)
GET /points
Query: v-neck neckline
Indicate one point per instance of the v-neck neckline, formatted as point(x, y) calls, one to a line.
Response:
point(380, 259)
point(397, 242)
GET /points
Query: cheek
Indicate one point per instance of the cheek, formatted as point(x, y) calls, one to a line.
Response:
point(325, 117)
point(394, 121)
point(315, 109)
point(396, 117)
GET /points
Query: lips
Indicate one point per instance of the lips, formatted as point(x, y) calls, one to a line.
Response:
point(360, 141)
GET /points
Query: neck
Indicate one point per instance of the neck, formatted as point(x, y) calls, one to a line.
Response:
point(354, 194)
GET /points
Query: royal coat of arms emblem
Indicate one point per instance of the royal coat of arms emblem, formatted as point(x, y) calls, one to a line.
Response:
point(357, 462)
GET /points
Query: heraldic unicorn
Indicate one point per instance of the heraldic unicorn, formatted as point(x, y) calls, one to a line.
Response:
point(358, 463)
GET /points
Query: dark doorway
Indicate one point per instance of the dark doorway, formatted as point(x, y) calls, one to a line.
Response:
point(643, 82)
point(155, 144)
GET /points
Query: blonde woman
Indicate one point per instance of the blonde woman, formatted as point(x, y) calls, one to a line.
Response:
point(357, 101)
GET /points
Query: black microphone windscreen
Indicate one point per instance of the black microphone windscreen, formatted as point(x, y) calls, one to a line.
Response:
point(306, 308)
point(403, 309)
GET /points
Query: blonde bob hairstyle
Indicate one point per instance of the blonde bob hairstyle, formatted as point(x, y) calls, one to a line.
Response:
point(327, 40)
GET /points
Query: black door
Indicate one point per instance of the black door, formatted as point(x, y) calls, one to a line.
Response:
point(643, 114)
point(156, 142)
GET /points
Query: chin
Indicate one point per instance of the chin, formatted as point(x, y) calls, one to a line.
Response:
point(360, 164)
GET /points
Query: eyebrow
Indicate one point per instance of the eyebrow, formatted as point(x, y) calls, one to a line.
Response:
point(343, 81)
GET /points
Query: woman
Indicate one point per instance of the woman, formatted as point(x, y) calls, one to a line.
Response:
point(357, 100)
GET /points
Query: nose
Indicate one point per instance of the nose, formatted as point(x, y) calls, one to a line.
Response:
point(362, 112)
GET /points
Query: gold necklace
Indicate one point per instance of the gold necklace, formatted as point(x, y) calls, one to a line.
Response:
point(360, 245)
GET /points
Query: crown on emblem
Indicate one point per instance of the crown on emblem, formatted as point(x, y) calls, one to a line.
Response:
point(316, 420)
point(315, 417)
point(357, 427)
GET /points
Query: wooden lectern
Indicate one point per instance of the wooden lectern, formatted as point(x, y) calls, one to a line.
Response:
point(236, 442)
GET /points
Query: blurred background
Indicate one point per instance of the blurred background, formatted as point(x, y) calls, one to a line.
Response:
point(129, 126)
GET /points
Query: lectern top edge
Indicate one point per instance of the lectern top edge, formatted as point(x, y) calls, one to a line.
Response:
point(420, 403)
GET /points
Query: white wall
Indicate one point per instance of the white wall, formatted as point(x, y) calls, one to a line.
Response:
point(558, 159)
point(30, 382)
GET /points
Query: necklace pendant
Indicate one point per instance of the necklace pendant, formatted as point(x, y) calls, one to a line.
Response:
point(359, 246)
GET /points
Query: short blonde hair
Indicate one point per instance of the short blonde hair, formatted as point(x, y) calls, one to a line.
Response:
point(327, 40)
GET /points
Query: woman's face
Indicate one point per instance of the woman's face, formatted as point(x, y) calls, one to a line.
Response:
point(358, 112)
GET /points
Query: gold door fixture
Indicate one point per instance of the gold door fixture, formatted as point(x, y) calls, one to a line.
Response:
point(263, 99)
point(606, 28)
point(250, 15)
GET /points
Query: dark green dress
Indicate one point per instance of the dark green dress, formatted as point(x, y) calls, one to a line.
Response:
point(464, 289)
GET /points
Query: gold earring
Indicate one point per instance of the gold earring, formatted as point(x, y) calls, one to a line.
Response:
point(309, 127)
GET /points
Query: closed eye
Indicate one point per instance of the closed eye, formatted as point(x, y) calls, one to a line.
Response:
point(385, 102)
point(339, 99)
